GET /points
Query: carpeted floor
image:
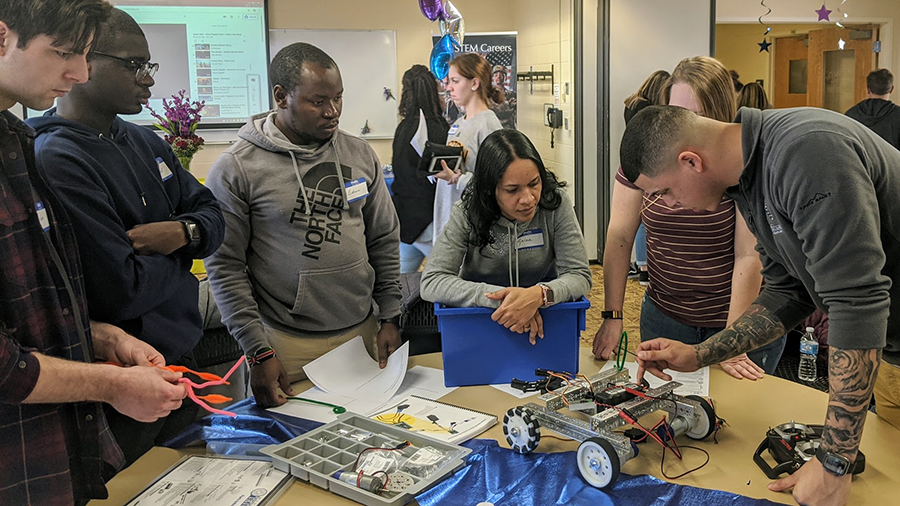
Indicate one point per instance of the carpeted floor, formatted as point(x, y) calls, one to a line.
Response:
point(634, 292)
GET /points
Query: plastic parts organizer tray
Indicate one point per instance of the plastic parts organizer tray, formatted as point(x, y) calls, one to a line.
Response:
point(317, 455)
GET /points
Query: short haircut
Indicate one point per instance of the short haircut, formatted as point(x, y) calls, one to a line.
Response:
point(288, 64)
point(880, 81)
point(118, 24)
point(650, 139)
point(70, 23)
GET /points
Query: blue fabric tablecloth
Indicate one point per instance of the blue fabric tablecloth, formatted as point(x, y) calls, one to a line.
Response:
point(492, 474)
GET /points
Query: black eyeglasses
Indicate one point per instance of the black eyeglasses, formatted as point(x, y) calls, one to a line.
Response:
point(141, 69)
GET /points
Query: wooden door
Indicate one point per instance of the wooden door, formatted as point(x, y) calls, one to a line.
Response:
point(837, 77)
point(791, 76)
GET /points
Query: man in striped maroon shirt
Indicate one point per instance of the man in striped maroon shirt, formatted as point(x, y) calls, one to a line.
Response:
point(53, 435)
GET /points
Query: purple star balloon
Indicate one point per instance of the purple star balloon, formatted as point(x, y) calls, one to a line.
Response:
point(823, 14)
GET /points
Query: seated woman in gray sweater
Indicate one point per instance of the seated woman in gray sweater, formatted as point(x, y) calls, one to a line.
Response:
point(512, 242)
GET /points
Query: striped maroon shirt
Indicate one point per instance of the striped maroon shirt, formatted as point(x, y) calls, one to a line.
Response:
point(690, 259)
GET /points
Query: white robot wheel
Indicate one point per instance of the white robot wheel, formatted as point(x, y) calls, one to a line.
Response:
point(705, 423)
point(598, 462)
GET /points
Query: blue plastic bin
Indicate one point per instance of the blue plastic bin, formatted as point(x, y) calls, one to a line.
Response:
point(480, 351)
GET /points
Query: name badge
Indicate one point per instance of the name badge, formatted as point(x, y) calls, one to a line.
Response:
point(43, 218)
point(164, 171)
point(453, 130)
point(530, 239)
point(356, 189)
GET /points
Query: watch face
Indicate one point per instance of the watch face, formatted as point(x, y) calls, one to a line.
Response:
point(836, 464)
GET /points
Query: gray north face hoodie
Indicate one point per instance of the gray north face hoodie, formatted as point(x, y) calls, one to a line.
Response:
point(308, 247)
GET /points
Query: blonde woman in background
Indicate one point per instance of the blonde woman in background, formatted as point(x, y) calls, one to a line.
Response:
point(704, 270)
point(470, 87)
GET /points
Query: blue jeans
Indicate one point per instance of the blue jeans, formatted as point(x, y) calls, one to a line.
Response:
point(656, 324)
point(412, 255)
point(640, 246)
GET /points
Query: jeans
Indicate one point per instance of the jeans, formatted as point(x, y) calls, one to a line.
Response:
point(656, 324)
point(640, 246)
point(412, 255)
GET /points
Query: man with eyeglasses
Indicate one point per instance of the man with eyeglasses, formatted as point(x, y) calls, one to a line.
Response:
point(139, 217)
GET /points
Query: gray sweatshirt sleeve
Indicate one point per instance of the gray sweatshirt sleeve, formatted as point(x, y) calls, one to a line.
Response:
point(840, 234)
point(574, 280)
point(383, 244)
point(441, 281)
point(227, 267)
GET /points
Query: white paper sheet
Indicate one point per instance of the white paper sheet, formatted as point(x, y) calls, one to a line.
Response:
point(693, 383)
point(419, 380)
point(349, 371)
point(212, 481)
point(515, 392)
point(418, 140)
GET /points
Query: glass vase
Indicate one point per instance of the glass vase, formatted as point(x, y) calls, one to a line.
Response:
point(186, 162)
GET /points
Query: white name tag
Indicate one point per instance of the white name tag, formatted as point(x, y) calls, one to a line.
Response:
point(356, 189)
point(164, 171)
point(453, 130)
point(43, 218)
point(530, 239)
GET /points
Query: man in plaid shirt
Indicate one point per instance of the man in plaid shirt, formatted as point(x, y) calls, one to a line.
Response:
point(53, 435)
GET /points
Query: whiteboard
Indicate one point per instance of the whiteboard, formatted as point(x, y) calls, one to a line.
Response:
point(367, 60)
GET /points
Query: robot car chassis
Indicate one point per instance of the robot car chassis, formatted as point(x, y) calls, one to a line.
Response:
point(602, 451)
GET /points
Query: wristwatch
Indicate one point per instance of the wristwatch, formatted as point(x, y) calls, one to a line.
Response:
point(547, 298)
point(193, 232)
point(834, 463)
point(394, 319)
point(611, 315)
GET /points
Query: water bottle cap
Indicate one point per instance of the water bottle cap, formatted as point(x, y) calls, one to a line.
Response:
point(810, 330)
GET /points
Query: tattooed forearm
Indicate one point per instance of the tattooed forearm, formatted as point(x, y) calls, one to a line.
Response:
point(756, 327)
point(851, 378)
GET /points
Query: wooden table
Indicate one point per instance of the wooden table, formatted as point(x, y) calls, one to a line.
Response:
point(749, 407)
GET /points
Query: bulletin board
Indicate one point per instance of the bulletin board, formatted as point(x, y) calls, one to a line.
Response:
point(368, 63)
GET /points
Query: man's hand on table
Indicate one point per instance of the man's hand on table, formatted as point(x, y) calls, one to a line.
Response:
point(387, 341)
point(265, 379)
point(742, 367)
point(812, 485)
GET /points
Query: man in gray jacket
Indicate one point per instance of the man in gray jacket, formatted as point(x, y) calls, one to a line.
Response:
point(312, 238)
point(819, 191)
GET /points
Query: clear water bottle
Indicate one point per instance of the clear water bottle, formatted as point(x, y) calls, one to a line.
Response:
point(809, 349)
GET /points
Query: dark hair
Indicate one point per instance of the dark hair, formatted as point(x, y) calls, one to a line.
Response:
point(472, 66)
point(496, 153)
point(880, 81)
point(753, 95)
point(420, 93)
point(651, 90)
point(738, 85)
point(650, 137)
point(67, 22)
point(119, 23)
point(288, 63)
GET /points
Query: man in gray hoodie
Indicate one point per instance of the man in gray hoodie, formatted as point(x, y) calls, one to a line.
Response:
point(312, 238)
point(819, 192)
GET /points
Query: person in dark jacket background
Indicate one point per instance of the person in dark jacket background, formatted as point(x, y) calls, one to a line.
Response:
point(414, 192)
point(877, 111)
point(139, 217)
